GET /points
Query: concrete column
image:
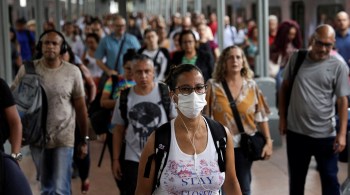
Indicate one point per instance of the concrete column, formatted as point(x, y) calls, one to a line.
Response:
point(5, 51)
point(220, 16)
point(39, 16)
point(167, 10)
point(69, 10)
point(58, 16)
point(198, 6)
point(183, 7)
point(174, 5)
point(78, 8)
point(262, 60)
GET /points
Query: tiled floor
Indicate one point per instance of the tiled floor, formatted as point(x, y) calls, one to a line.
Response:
point(269, 177)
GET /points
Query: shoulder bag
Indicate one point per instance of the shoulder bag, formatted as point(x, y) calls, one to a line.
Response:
point(252, 145)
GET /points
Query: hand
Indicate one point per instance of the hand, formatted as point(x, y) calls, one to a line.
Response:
point(267, 150)
point(339, 143)
point(112, 72)
point(83, 150)
point(282, 126)
point(116, 169)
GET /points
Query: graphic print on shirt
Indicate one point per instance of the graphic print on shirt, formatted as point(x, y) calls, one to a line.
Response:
point(199, 178)
point(144, 118)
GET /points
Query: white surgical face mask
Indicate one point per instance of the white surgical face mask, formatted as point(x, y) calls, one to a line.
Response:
point(191, 105)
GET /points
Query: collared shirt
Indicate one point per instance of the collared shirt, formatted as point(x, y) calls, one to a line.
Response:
point(342, 44)
point(109, 47)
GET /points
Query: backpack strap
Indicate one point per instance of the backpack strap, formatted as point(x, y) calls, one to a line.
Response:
point(298, 62)
point(301, 55)
point(29, 67)
point(123, 101)
point(160, 155)
point(162, 145)
point(114, 85)
point(219, 135)
point(166, 102)
point(123, 105)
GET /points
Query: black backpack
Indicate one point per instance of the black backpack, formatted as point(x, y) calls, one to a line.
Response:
point(162, 144)
point(100, 118)
point(31, 103)
point(123, 104)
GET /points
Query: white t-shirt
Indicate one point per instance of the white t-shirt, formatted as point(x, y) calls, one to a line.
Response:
point(161, 60)
point(183, 174)
point(144, 113)
point(95, 70)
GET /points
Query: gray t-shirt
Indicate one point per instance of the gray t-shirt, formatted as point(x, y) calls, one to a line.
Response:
point(312, 105)
point(144, 113)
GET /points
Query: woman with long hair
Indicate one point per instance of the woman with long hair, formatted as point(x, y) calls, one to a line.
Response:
point(233, 69)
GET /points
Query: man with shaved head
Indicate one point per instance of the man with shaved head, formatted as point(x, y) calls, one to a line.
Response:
point(342, 37)
point(309, 120)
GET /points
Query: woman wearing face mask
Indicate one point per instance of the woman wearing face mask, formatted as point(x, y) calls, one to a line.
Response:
point(233, 69)
point(191, 150)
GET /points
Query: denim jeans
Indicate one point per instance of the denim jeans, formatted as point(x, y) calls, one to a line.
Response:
point(56, 170)
point(300, 149)
point(243, 171)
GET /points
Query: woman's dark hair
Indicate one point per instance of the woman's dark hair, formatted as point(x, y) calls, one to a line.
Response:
point(129, 55)
point(281, 42)
point(71, 55)
point(176, 71)
point(94, 36)
point(186, 32)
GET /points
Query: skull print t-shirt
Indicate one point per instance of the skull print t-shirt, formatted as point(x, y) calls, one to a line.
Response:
point(145, 113)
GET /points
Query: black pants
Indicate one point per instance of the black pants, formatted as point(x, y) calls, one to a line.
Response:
point(109, 140)
point(129, 171)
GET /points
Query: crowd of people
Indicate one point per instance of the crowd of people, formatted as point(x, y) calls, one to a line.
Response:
point(149, 73)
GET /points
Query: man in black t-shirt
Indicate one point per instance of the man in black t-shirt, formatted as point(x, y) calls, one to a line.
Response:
point(9, 117)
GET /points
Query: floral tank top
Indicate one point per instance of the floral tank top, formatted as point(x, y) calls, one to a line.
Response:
point(183, 174)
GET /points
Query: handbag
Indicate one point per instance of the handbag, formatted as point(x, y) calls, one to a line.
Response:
point(252, 145)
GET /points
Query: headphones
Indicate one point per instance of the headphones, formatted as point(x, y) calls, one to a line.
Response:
point(64, 45)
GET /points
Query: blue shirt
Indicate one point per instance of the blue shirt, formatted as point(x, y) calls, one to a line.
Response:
point(26, 40)
point(109, 46)
point(342, 44)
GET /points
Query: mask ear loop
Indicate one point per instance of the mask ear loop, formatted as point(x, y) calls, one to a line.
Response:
point(172, 99)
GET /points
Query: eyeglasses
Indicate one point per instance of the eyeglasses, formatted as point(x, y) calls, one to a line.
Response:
point(321, 44)
point(187, 90)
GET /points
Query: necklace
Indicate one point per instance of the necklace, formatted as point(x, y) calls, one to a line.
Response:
point(193, 138)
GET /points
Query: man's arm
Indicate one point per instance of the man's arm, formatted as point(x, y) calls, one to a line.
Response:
point(81, 115)
point(81, 118)
point(15, 126)
point(340, 140)
point(108, 71)
point(282, 106)
point(118, 136)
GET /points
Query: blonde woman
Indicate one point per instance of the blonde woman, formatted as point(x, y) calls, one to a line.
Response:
point(233, 69)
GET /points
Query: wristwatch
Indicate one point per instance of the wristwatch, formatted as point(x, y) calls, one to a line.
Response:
point(17, 156)
point(85, 139)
